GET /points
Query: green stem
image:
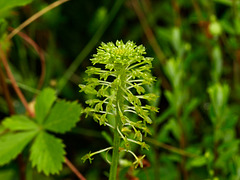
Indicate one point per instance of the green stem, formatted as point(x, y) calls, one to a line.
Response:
point(115, 155)
point(116, 140)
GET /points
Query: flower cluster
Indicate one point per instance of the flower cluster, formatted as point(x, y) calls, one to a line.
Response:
point(117, 80)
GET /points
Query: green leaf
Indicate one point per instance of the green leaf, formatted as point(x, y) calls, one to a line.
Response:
point(47, 153)
point(217, 63)
point(43, 104)
point(219, 96)
point(12, 144)
point(19, 122)
point(6, 4)
point(198, 161)
point(175, 72)
point(63, 116)
point(176, 39)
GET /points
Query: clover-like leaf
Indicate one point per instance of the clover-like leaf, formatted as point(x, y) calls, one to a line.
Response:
point(43, 104)
point(63, 116)
point(19, 122)
point(47, 153)
point(12, 144)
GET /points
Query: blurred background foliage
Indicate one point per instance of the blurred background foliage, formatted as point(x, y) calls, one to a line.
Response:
point(196, 50)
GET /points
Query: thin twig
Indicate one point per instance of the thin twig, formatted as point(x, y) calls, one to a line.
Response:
point(11, 112)
point(35, 16)
point(6, 92)
point(40, 53)
point(74, 169)
point(14, 83)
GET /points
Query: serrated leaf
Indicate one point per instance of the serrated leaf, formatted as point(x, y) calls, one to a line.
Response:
point(6, 4)
point(47, 153)
point(43, 104)
point(19, 122)
point(12, 144)
point(63, 116)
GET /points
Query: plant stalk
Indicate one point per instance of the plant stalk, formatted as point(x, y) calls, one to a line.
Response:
point(3, 58)
point(74, 169)
point(116, 140)
point(115, 155)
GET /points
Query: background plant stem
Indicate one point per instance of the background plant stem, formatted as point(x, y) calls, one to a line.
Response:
point(6, 92)
point(14, 83)
point(74, 169)
point(35, 16)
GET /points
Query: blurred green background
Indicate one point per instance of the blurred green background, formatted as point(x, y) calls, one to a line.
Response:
point(196, 50)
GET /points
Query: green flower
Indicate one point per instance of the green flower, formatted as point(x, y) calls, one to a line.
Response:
point(119, 81)
point(87, 157)
point(139, 162)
